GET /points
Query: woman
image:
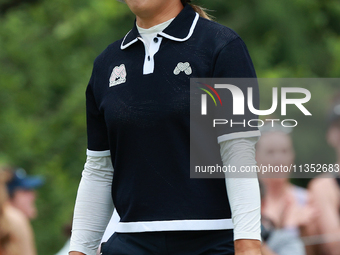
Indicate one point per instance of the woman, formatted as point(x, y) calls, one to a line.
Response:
point(284, 204)
point(139, 131)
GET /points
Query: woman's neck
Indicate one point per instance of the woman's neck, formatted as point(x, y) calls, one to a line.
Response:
point(157, 17)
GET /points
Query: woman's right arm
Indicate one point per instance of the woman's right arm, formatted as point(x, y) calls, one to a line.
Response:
point(94, 207)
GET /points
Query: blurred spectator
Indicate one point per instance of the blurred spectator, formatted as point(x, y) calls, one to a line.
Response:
point(7, 243)
point(277, 241)
point(325, 192)
point(285, 205)
point(21, 208)
point(21, 189)
point(16, 235)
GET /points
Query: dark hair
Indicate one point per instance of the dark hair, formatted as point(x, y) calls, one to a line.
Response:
point(200, 10)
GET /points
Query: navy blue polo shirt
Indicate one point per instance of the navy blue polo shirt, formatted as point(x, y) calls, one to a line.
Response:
point(139, 114)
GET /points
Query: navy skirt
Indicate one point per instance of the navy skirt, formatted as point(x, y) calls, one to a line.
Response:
point(211, 242)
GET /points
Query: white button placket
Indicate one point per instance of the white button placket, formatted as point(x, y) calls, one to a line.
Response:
point(149, 62)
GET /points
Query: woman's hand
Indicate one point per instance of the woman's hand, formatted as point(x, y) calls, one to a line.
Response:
point(76, 253)
point(247, 247)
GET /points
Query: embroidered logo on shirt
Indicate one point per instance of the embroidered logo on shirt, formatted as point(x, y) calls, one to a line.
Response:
point(183, 67)
point(118, 75)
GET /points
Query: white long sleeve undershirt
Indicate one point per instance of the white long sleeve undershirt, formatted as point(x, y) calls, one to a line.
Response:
point(243, 192)
point(94, 206)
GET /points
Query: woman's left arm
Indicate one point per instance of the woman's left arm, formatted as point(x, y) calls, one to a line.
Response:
point(234, 61)
point(244, 195)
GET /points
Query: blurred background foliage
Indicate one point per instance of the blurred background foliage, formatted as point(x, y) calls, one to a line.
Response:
point(46, 53)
